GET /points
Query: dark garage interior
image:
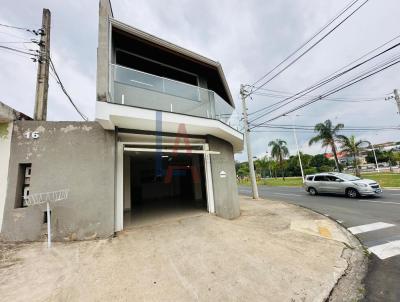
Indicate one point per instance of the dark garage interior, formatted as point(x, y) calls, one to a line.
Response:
point(164, 184)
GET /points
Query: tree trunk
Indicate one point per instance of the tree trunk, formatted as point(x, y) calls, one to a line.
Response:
point(336, 158)
point(356, 166)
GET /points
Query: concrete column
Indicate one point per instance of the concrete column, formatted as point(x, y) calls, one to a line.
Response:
point(223, 172)
point(197, 185)
point(103, 54)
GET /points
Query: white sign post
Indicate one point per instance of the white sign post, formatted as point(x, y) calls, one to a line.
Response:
point(41, 198)
point(48, 225)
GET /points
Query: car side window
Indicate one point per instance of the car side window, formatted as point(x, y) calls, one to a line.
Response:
point(331, 178)
point(310, 178)
point(319, 178)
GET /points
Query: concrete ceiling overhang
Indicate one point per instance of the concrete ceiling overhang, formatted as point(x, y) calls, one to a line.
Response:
point(114, 115)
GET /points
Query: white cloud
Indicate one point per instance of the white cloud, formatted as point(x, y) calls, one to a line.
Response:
point(247, 37)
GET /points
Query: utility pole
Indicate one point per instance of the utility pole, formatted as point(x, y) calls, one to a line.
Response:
point(42, 79)
point(248, 144)
point(397, 98)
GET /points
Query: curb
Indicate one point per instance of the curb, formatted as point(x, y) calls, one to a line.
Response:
point(350, 285)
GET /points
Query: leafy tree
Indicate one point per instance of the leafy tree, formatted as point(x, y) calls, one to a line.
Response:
point(242, 169)
point(263, 166)
point(351, 146)
point(328, 135)
point(381, 156)
point(391, 157)
point(310, 170)
point(279, 151)
point(319, 161)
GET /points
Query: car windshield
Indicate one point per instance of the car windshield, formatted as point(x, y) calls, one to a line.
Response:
point(348, 177)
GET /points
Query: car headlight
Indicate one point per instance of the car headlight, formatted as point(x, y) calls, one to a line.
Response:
point(360, 184)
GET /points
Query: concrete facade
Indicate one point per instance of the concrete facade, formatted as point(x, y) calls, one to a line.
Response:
point(88, 158)
point(7, 117)
point(223, 172)
point(79, 156)
point(5, 148)
point(103, 53)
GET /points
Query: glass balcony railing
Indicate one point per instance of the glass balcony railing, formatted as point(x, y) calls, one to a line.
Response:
point(135, 88)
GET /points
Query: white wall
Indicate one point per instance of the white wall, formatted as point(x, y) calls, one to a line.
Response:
point(127, 182)
point(5, 143)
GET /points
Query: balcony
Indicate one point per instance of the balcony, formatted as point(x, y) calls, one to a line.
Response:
point(131, 87)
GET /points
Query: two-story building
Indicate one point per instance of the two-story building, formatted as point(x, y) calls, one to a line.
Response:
point(163, 140)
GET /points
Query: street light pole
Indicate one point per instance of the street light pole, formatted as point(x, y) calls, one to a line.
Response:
point(397, 98)
point(248, 144)
point(297, 146)
point(376, 161)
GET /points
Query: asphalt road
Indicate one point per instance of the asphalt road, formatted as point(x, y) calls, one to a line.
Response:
point(374, 220)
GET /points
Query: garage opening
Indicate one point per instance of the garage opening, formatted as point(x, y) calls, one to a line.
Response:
point(161, 186)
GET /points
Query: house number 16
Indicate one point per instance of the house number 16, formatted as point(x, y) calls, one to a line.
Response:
point(33, 134)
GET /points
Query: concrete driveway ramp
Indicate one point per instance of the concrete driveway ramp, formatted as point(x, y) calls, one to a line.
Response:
point(322, 228)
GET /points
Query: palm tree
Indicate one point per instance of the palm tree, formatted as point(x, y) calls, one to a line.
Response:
point(279, 151)
point(352, 147)
point(328, 134)
point(262, 166)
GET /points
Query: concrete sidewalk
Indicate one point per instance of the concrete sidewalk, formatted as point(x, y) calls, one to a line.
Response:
point(273, 252)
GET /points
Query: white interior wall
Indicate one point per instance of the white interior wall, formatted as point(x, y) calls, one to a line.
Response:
point(127, 182)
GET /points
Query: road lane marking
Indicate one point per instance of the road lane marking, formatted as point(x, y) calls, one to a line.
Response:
point(370, 227)
point(376, 201)
point(286, 194)
point(386, 250)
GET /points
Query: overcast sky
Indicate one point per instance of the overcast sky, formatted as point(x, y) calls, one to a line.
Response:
point(247, 37)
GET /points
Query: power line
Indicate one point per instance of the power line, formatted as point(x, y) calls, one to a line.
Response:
point(313, 126)
point(17, 50)
point(33, 31)
point(58, 80)
point(16, 42)
point(311, 132)
point(341, 99)
point(309, 40)
point(343, 96)
point(345, 85)
point(320, 84)
point(325, 78)
point(311, 47)
point(335, 90)
point(317, 85)
point(345, 129)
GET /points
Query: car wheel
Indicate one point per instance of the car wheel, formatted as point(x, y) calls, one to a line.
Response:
point(312, 191)
point(352, 193)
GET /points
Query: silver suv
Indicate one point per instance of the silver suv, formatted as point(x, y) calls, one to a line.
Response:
point(340, 183)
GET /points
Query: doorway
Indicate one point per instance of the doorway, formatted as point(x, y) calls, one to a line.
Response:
point(160, 186)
